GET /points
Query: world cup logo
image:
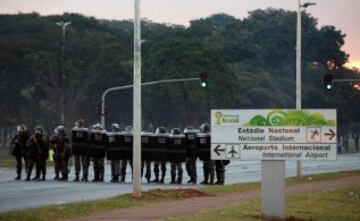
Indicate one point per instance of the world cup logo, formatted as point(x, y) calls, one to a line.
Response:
point(218, 118)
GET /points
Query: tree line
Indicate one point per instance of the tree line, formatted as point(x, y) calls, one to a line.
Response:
point(250, 62)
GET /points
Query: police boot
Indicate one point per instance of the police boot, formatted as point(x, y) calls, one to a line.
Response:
point(148, 177)
point(101, 177)
point(96, 177)
point(194, 181)
point(18, 177)
point(27, 178)
point(156, 180)
point(179, 180)
point(114, 179)
point(36, 178)
point(172, 179)
point(56, 177)
point(64, 178)
point(162, 180)
point(84, 178)
point(76, 178)
point(206, 178)
point(43, 178)
point(190, 181)
point(220, 180)
point(211, 179)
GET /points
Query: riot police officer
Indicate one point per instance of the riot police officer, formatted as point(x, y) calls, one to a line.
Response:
point(53, 143)
point(176, 155)
point(37, 154)
point(97, 150)
point(112, 152)
point(62, 153)
point(127, 156)
point(191, 153)
point(147, 142)
point(80, 145)
point(161, 161)
point(20, 148)
point(204, 154)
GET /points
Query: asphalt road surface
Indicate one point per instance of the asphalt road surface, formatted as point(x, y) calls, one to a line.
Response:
point(19, 195)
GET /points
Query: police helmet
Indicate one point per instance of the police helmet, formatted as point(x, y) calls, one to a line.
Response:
point(188, 129)
point(160, 130)
point(175, 131)
point(21, 128)
point(129, 129)
point(60, 129)
point(80, 123)
point(98, 126)
point(205, 128)
point(115, 127)
point(38, 131)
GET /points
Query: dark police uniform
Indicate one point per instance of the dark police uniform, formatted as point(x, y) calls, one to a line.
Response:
point(177, 149)
point(37, 155)
point(191, 153)
point(20, 150)
point(160, 154)
point(204, 142)
point(80, 145)
point(97, 150)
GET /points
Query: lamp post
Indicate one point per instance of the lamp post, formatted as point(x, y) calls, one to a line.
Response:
point(63, 25)
point(298, 69)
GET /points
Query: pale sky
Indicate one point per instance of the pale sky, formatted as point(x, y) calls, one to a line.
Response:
point(344, 14)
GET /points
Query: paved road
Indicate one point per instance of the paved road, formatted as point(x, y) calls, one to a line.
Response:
point(18, 195)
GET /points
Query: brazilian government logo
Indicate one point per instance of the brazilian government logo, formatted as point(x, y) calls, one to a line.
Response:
point(221, 118)
point(218, 118)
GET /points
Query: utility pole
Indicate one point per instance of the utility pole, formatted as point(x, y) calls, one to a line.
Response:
point(298, 68)
point(137, 102)
point(63, 25)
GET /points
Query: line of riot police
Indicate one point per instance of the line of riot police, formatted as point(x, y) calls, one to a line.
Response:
point(96, 144)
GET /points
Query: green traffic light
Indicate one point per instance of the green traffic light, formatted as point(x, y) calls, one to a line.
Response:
point(329, 87)
point(203, 84)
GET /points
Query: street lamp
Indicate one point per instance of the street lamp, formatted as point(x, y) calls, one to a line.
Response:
point(298, 68)
point(63, 25)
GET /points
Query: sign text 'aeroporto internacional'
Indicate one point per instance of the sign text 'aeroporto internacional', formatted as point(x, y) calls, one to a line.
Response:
point(284, 134)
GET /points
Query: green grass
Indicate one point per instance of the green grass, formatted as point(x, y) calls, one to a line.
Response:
point(58, 212)
point(241, 187)
point(6, 159)
point(335, 205)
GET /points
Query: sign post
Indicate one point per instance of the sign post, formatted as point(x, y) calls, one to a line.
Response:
point(273, 136)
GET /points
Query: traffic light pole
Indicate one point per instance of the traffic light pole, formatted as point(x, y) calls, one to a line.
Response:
point(346, 80)
point(103, 97)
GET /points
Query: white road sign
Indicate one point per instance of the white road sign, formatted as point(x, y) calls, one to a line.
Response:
point(274, 134)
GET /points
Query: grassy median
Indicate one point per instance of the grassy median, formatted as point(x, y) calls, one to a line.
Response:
point(337, 205)
point(58, 212)
point(6, 159)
